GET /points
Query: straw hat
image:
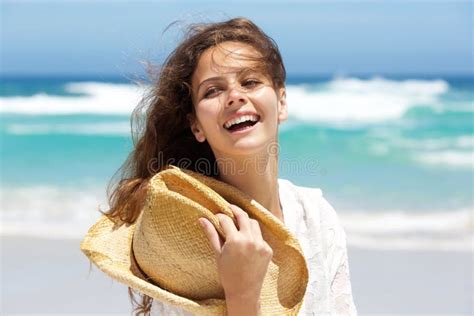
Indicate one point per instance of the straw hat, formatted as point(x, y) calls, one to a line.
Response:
point(166, 255)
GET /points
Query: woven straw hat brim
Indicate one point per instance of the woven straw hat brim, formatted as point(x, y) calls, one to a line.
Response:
point(110, 246)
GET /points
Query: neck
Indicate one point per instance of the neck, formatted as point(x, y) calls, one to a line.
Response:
point(256, 176)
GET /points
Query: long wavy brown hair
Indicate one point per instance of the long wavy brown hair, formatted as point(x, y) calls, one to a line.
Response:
point(161, 128)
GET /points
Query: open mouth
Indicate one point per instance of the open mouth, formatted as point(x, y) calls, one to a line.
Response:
point(242, 123)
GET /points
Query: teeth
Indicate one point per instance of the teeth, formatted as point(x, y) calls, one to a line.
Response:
point(243, 118)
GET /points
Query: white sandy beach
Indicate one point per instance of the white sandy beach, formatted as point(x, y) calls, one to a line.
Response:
point(46, 276)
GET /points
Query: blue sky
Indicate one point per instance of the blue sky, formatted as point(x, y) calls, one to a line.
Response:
point(315, 37)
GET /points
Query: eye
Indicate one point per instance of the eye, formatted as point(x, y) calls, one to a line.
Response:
point(212, 91)
point(250, 83)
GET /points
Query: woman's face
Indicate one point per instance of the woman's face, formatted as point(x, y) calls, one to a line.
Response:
point(226, 89)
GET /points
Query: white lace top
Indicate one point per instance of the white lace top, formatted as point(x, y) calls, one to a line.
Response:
point(316, 225)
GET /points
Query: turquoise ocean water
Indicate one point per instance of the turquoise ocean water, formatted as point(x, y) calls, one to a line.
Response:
point(393, 155)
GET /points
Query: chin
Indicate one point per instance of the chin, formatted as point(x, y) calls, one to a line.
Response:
point(252, 146)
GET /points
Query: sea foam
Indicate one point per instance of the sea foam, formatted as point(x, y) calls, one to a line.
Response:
point(58, 212)
point(338, 101)
point(447, 158)
point(410, 230)
point(103, 128)
point(98, 98)
point(357, 101)
point(50, 211)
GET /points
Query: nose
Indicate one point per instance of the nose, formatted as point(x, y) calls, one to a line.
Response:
point(236, 96)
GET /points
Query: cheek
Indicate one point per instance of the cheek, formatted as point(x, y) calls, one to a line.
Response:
point(267, 100)
point(207, 112)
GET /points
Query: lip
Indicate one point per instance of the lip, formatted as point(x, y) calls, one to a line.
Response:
point(244, 131)
point(239, 114)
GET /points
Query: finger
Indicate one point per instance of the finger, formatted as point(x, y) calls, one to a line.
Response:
point(212, 235)
point(227, 225)
point(256, 231)
point(243, 219)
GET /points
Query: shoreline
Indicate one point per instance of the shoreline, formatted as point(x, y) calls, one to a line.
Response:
point(53, 276)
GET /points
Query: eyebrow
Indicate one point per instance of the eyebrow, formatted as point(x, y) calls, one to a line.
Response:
point(207, 80)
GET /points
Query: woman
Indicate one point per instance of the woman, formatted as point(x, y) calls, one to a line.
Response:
point(216, 107)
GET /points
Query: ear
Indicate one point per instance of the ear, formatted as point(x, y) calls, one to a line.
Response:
point(282, 105)
point(196, 128)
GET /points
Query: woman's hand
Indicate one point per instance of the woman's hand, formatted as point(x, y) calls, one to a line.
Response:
point(242, 259)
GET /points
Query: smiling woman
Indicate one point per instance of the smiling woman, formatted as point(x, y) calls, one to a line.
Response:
point(219, 99)
point(228, 91)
